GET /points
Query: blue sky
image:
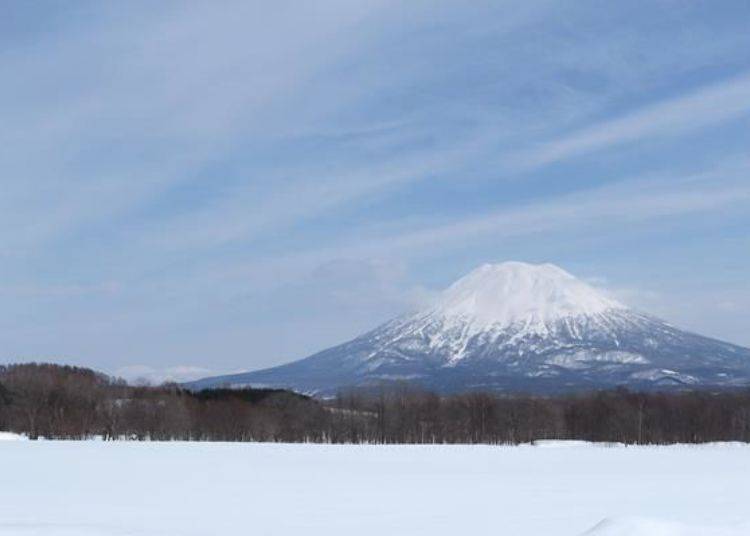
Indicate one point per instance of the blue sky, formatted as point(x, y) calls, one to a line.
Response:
point(191, 188)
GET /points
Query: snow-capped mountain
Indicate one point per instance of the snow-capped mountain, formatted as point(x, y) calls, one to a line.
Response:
point(515, 327)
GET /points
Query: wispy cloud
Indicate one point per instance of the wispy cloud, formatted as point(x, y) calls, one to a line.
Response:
point(60, 291)
point(113, 140)
point(308, 192)
point(301, 194)
point(628, 202)
point(706, 106)
point(721, 192)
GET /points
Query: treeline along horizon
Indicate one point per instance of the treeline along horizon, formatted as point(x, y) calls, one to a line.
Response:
point(63, 402)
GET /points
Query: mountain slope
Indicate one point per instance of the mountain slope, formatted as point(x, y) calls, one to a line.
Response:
point(515, 327)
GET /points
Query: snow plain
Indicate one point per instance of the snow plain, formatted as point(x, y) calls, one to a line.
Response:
point(556, 489)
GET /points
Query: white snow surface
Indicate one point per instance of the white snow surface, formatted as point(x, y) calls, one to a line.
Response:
point(97, 488)
point(512, 293)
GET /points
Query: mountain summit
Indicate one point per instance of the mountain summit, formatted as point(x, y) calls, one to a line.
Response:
point(515, 327)
point(515, 293)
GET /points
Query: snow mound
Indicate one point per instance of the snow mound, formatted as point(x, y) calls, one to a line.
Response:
point(571, 443)
point(654, 527)
point(10, 436)
point(510, 293)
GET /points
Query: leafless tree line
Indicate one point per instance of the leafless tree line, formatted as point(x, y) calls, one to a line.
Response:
point(60, 402)
point(408, 416)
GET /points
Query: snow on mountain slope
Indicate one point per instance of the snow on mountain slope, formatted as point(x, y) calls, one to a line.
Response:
point(518, 293)
point(516, 327)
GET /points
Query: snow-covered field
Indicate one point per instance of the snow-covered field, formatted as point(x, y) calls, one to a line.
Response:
point(96, 488)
